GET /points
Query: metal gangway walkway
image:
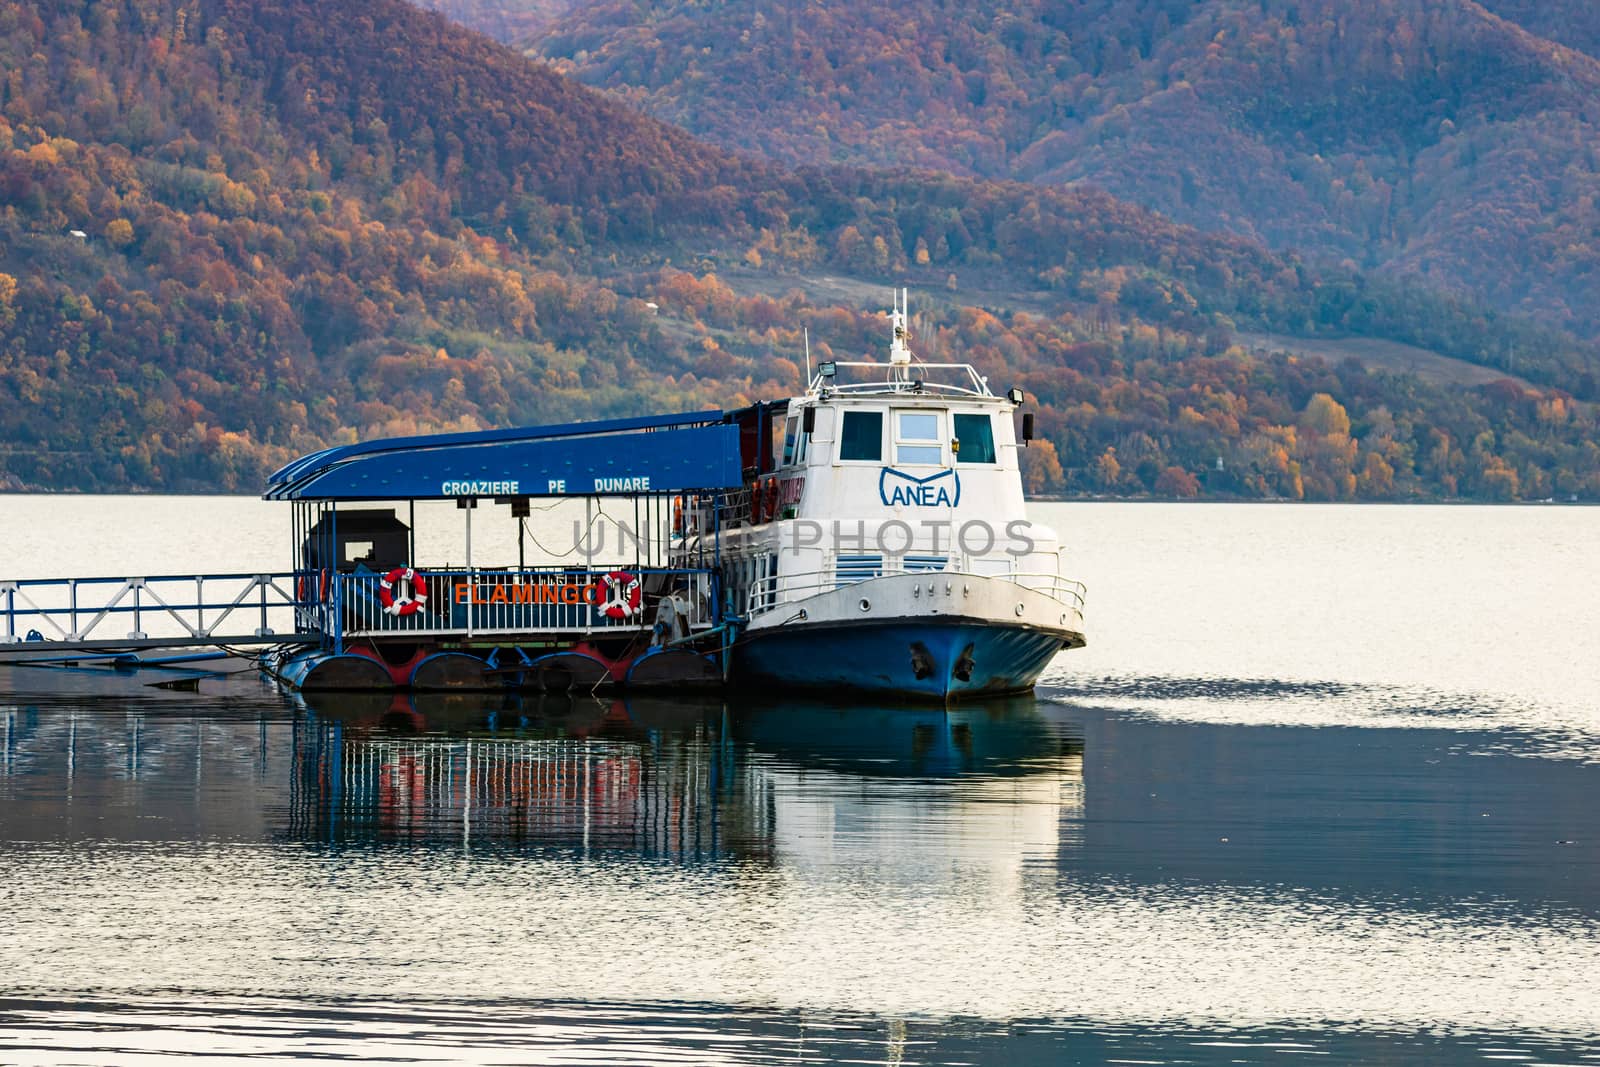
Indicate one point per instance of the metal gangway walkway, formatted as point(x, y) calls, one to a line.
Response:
point(86, 615)
point(114, 615)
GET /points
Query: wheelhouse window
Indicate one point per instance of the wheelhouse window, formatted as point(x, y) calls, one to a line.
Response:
point(917, 438)
point(790, 441)
point(976, 436)
point(861, 436)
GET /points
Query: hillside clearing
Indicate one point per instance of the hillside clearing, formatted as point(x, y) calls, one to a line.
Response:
point(1385, 355)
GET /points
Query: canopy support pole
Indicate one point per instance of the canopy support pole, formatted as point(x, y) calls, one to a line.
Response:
point(472, 584)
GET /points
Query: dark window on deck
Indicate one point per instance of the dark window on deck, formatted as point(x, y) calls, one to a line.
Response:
point(976, 434)
point(862, 435)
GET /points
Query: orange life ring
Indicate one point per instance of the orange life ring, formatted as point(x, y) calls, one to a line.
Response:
point(300, 588)
point(772, 499)
point(403, 605)
point(620, 595)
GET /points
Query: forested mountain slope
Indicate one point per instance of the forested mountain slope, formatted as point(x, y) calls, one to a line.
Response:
point(1430, 138)
point(1574, 23)
point(231, 232)
point(505, 22)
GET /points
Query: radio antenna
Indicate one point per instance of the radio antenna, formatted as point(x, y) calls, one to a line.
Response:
point(806, 333)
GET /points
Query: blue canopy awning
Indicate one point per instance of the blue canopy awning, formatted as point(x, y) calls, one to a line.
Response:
point(693, 452)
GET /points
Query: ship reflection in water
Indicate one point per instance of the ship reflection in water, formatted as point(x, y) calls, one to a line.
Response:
point(804, 784)
point(548, 880)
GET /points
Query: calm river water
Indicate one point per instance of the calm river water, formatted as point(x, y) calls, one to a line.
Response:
point(1325, 784)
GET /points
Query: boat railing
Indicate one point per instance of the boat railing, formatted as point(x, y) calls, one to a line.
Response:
point(912, 378)
point(697, 516)
point(776, 591)
point(749, 506)
point(150, 609)
point(484, 601)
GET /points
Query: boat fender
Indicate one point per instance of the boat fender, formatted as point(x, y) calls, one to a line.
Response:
point(410, 602)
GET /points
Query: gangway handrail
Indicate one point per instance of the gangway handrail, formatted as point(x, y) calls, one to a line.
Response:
point(56, 614)
point(7, 583)
point(27, 609)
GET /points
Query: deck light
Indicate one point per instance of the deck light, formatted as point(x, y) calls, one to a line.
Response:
point(828, 369)
point(1014, 395)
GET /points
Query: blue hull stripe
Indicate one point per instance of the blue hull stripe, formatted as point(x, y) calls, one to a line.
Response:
point(888, 657)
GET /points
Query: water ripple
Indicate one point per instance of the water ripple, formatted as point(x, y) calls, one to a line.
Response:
point(1488, 723)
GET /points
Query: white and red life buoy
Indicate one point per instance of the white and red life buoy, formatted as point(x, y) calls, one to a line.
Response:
point(411, 600)
point(620, 595)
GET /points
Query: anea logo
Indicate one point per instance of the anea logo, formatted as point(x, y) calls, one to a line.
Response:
point(897, 488)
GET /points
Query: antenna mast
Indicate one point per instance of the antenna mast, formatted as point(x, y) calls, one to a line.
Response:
point(899, 350)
